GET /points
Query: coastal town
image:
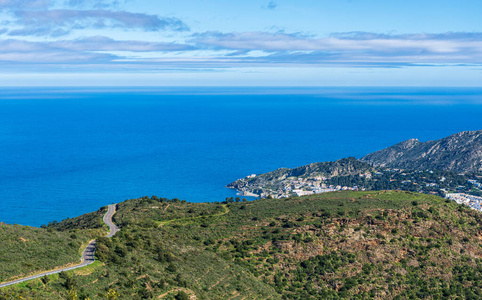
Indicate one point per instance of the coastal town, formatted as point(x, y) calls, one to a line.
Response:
point(294, 187)
point(457, 187)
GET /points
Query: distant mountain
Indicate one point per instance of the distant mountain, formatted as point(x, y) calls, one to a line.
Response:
point(460, 152)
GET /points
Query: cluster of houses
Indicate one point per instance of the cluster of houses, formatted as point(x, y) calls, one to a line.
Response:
point(475, 183)
point(301, 187)
point(314, 185)
point(324, 189)
point(461, 198)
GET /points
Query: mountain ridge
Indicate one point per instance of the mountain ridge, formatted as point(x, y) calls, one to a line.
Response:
point(460, 152)
point(458, 157)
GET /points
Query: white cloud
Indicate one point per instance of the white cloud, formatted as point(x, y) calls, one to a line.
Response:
point(248, 49)
point(59, 22)
point(102, 43)
point(454, 48)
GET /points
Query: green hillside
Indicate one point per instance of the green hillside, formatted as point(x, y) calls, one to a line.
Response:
point(28, 250)
point(343, 245)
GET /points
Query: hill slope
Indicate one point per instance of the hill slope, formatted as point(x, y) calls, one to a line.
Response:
point(26, 250)
point(342, 245)
point(460, 152)
point(274, 183)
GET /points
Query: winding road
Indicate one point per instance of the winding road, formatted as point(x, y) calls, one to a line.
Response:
point(87, 255)
point(113, 229)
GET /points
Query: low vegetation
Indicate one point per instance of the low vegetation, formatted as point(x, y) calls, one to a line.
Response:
point(342, 245)
point(28, 250)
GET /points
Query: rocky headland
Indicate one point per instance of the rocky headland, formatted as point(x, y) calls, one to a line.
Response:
point(449, 165)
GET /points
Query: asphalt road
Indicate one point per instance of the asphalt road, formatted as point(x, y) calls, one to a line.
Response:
point(87, 254)
point(108, 221)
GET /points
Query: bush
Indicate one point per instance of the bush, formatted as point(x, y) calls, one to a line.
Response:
point(45, 279)
point(181, 295)
point(171, 268)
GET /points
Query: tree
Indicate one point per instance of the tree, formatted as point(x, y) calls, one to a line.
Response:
point(69, 283)
point(112, 294)
point(45, 279)
point(72, 294)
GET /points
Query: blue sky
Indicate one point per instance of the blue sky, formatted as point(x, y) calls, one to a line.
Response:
point(228, 43)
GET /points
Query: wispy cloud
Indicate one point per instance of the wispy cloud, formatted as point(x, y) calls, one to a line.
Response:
point(361, 35)
point(102, 43)
point(272, 5)
point(43, 4)
point(62, 21)
point(104, 4)
point(251, 49)
point(354, 46)
point(24, 4)
point(83, 50)
point(33, 53)
point(55, 18)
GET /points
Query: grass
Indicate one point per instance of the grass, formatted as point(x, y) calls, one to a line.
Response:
point(89, 269)
point(28, 250)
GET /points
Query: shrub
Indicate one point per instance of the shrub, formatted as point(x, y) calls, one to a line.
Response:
point(181, 295)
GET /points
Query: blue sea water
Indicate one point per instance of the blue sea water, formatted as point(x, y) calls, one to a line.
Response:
point(68, 151)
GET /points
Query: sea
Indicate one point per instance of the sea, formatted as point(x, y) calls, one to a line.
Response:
point(69, 151)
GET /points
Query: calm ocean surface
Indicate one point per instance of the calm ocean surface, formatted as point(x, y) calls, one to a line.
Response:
point(64, 152)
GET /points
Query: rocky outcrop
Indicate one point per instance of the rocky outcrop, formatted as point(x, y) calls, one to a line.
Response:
point(460, 152)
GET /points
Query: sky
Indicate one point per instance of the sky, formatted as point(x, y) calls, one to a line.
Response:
point(240, 43)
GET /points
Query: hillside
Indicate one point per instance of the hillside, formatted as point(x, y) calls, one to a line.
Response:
point(449, 165)
point(342, 245)
point(460, 152)
point(275, 183)
point(28, 250)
